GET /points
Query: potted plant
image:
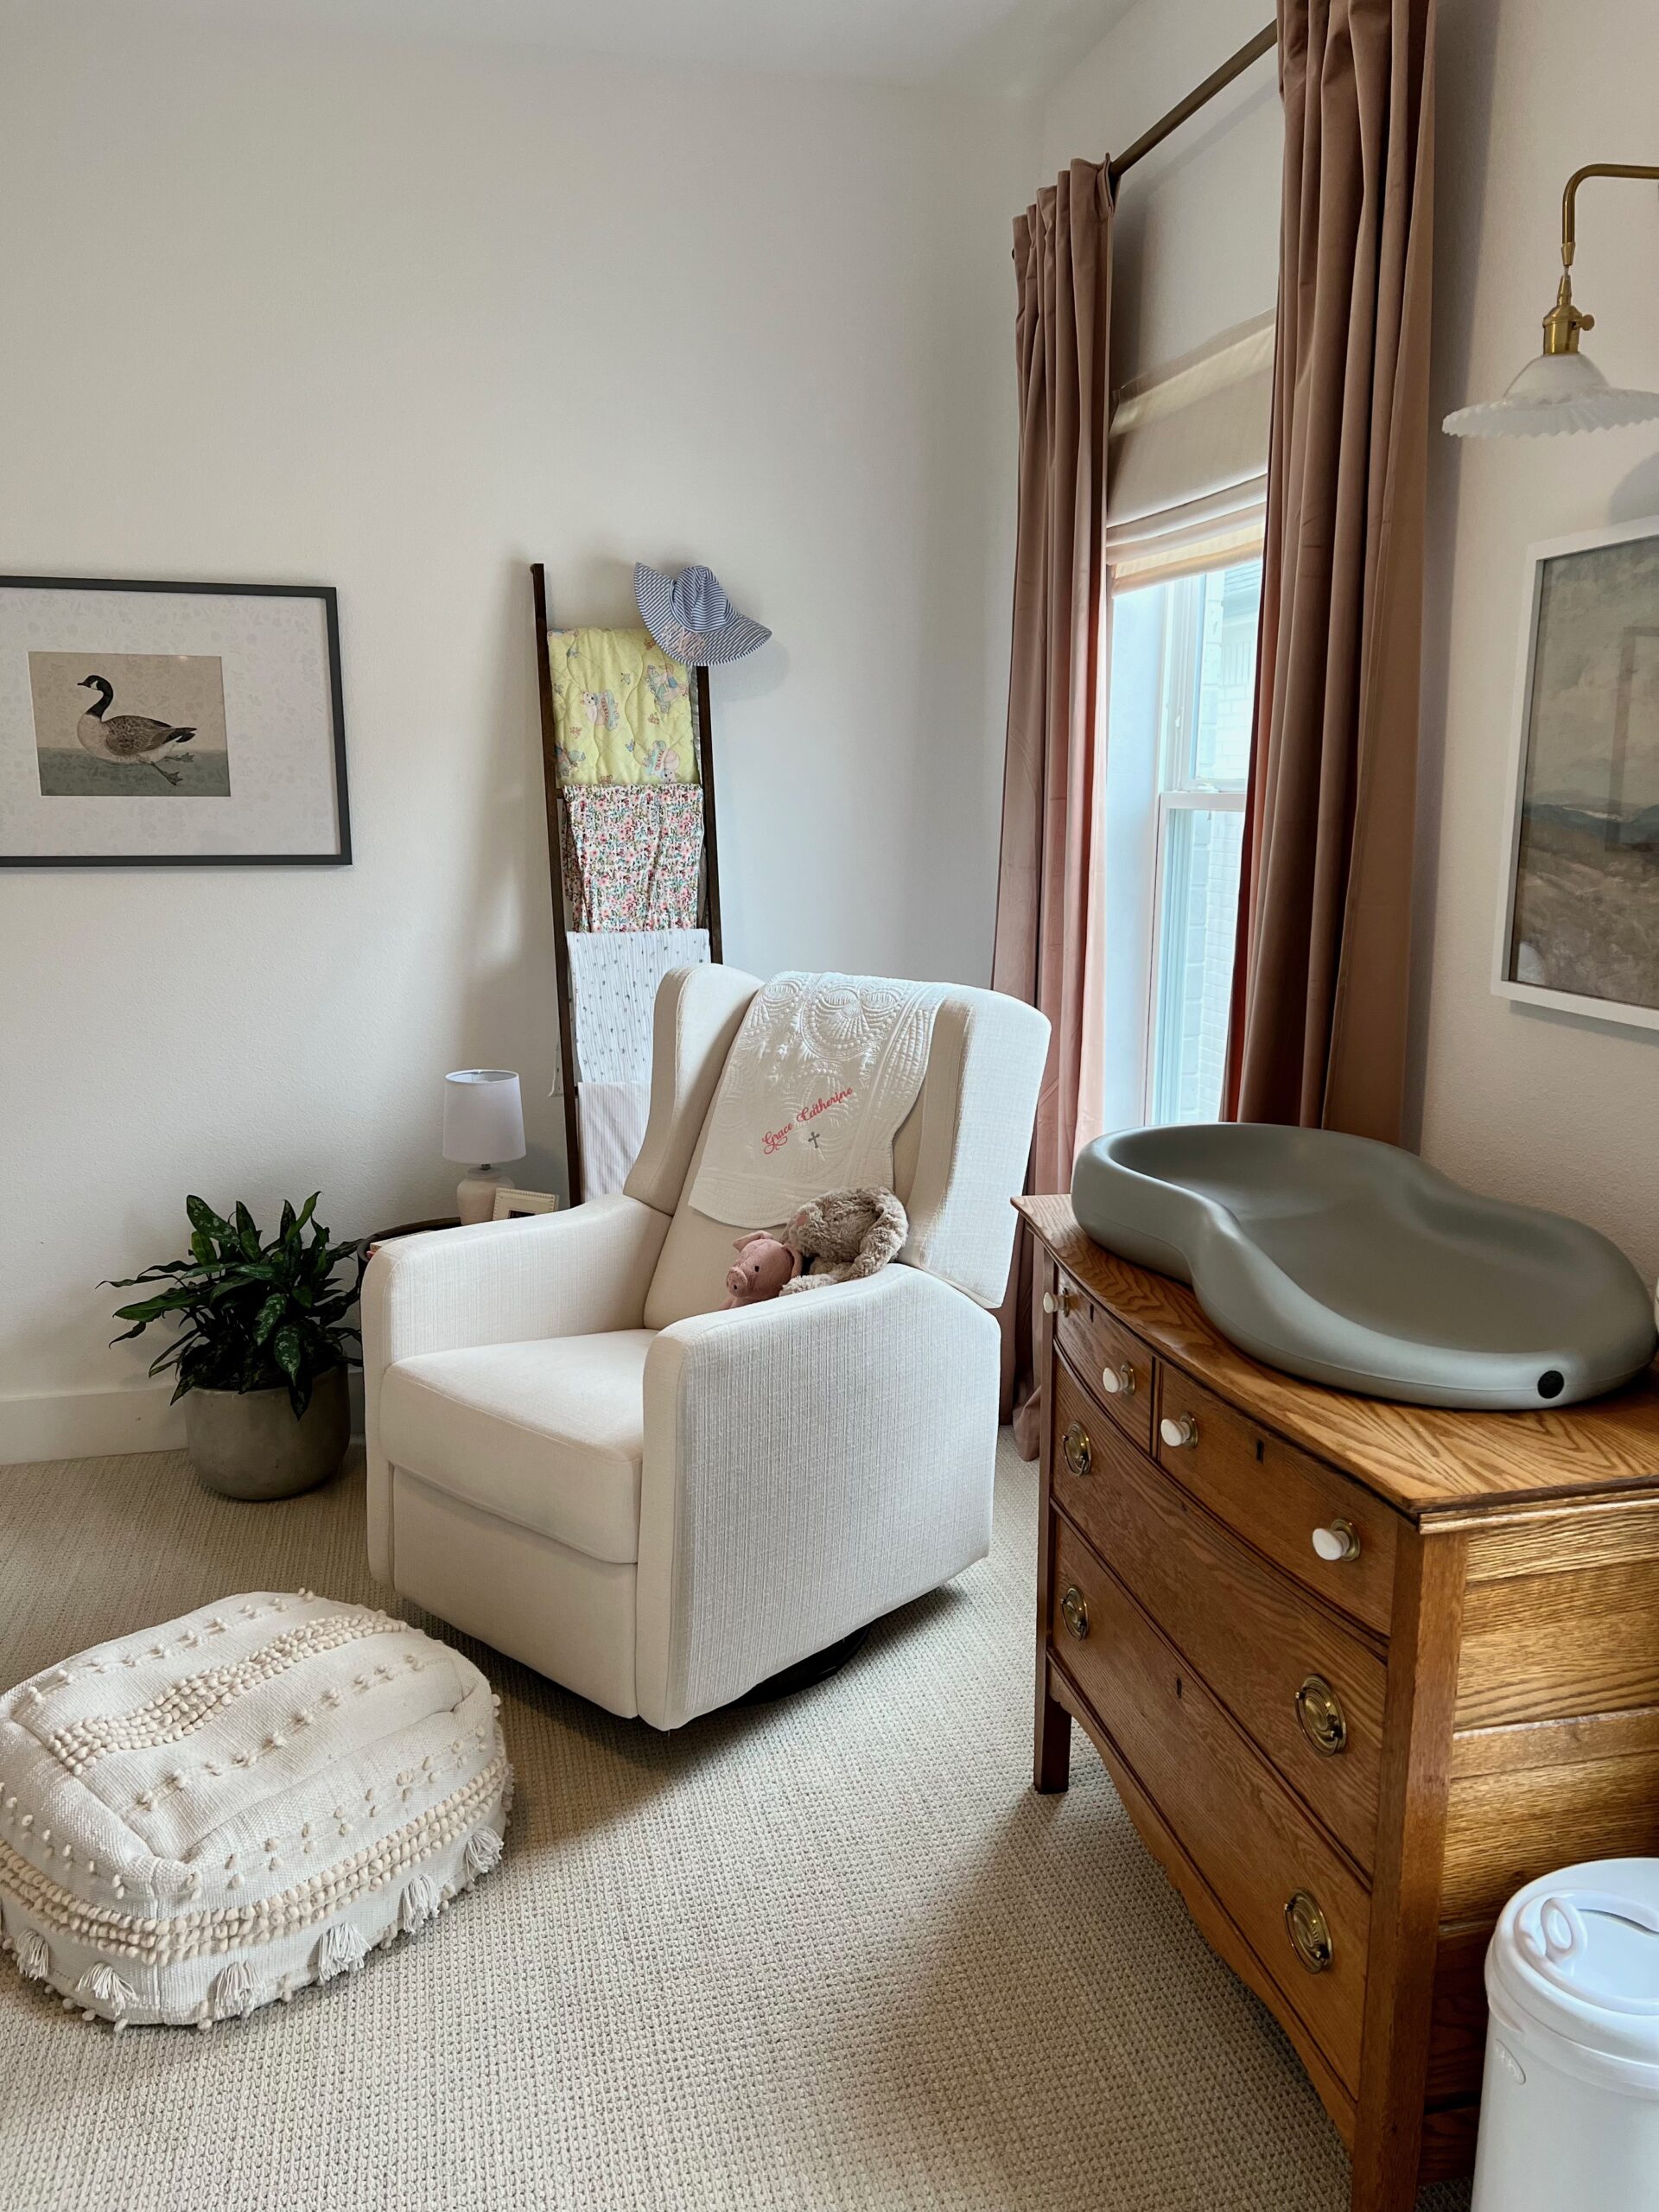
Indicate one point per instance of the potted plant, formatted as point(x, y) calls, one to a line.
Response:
point(261, 1354)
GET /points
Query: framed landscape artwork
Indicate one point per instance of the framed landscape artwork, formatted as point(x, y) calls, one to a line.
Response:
point(1578, 918)
point(169, 725)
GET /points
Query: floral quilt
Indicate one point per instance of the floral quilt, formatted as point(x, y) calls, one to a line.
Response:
point(621, 709)
point(633, 855)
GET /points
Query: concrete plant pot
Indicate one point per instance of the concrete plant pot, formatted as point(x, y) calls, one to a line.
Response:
point(247, 1443)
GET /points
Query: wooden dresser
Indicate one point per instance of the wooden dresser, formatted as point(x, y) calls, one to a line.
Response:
point(1358, 1671)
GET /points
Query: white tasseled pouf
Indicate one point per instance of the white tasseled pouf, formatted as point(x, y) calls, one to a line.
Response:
point(203, 1817)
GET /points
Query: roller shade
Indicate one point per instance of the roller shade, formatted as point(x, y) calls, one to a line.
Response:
point(1187, 459)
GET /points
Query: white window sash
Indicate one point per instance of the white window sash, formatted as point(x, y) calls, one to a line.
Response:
point(1183, 553)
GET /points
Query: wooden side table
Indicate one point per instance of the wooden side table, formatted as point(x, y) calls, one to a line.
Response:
point(409, 1228)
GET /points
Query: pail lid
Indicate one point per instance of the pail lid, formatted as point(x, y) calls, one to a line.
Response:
point(1577, 1953)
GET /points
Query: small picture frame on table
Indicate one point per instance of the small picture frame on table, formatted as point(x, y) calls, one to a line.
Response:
point(510, 1205)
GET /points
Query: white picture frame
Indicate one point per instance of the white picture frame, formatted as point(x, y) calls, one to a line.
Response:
point(1578, 891)
point(511, 1206)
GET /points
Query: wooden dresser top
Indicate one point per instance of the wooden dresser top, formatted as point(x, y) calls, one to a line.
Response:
point(1425, 1460)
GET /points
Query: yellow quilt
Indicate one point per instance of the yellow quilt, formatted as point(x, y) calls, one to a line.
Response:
point(621, 709)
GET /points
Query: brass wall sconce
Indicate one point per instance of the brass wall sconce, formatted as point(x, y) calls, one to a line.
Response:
point(1561, 390)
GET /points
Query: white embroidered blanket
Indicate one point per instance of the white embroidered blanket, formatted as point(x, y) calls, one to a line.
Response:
point(822, 1073)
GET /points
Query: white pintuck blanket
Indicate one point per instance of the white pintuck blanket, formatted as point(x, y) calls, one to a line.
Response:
point(614, 977)
point(820, 1079)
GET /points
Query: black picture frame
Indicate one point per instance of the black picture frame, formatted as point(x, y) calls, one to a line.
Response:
point(330, 597)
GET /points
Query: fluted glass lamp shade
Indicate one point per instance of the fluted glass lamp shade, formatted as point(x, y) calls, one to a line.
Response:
point(483, 1116)
point(1553, 393)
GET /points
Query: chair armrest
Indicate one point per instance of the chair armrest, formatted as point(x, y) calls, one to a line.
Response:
point(556, 1275)
point(810, 1464)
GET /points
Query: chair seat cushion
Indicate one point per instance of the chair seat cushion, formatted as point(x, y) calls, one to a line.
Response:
point(548, 1435)
point(199, 1818)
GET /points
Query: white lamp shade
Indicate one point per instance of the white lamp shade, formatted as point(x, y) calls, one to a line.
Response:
point(483, 1116)
point(1554, 392)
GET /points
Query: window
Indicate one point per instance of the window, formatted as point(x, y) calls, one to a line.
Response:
point(1182, 679)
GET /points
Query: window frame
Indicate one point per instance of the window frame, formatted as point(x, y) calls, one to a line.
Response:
point(1193, 800)
point(1176, 791)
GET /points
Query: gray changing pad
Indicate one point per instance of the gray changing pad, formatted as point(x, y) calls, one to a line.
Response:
point(1353, 1264)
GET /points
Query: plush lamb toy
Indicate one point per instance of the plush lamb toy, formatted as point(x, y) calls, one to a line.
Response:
point(762, 1269)
point(857, 1233)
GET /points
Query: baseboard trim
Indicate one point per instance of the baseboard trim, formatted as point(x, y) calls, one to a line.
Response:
point(88, 1424)
point(98, 1424)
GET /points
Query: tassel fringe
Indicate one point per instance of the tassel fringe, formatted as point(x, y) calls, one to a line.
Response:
point(233, 1996)
point(421, 1902)
point(342, 1950)
point(35, 1958)
point(102, 1987)
point(484, 1848)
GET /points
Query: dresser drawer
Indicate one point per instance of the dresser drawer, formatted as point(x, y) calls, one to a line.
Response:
point(1265, 1860)
point(1283, 1501)
point(1116, 1364)
point(1090, 1457)
point(1309, 1693)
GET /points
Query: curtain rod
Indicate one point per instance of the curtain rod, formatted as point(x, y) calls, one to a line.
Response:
point(1263, 42)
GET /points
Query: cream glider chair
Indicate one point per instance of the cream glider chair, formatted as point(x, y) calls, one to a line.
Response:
point(574, 1456)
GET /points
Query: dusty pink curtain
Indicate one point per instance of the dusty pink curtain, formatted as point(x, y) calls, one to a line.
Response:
point(1319, 1005)
point(1063, 260)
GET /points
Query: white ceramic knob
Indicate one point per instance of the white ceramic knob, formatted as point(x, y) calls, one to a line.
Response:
point(1114, 1379)
point(1058, 1302)
point(1181, 1433)
point(1338, 1542)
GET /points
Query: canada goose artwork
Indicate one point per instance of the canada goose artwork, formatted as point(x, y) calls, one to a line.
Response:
point(133, 738)
point(149, 724)
point(114, 725)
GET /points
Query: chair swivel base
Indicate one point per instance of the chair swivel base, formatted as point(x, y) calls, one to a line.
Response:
point(817, 1667)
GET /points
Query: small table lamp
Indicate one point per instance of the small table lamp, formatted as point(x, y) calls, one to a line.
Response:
point(483, 1122)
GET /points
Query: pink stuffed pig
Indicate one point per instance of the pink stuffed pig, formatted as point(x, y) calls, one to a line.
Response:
point(763, 1266)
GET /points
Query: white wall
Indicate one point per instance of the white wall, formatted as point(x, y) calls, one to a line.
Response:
point(1197, 243)
point(402, 320)
point(1535, 1106)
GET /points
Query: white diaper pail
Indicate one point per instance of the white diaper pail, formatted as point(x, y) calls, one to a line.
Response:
point(1569, 2112)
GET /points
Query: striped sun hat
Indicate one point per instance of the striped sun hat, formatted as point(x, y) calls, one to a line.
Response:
point(691, 617)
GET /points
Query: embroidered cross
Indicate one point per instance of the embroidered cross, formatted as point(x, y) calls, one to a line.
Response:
point(813, 1139)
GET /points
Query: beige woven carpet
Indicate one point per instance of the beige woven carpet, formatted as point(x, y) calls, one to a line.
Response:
point(829, 1953)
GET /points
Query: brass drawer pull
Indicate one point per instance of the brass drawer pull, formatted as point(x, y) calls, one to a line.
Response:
point(1324, 1723)
point(1074, 1611)
point(1060, 1301)
point(1179, 1434)
point(1116, 1379)
point(1077, 1451)
point(1338, 1542)
point(1310, 1932)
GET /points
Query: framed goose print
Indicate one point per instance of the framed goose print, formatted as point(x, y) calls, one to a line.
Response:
point(167, 724)
point(1579, 916)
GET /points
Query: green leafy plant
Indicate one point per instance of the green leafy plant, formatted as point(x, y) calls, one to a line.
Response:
point(254, 1315)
